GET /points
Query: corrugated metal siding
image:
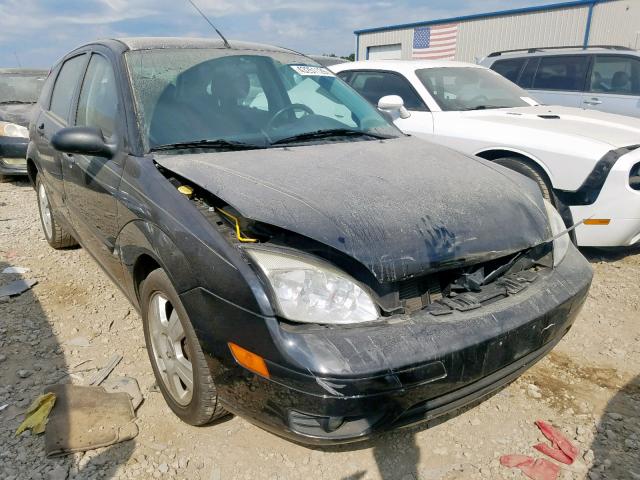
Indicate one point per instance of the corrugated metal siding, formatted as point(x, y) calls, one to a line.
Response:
point(388, 37)
point(616, 23)
point(478, 38)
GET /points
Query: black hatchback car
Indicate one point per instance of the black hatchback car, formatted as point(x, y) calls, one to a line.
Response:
point(294, 257)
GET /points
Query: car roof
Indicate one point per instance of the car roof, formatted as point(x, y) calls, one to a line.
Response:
point(24, 71)
point(153, 43)
point(404, 66)
point(561, 52)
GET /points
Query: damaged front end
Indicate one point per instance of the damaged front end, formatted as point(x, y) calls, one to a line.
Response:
point(356, 348)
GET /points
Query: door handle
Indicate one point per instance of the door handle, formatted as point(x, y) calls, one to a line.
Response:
point(593, 101)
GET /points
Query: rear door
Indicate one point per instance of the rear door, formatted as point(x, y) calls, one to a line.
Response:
point(375, 84)
point(54, 115)
point(561, 80)
point(92, 182)
point(614, 85)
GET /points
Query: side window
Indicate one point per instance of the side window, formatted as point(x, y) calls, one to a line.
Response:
point(65, 86)
point(615, 74)
point(98, 104)
point(375, 85)
point(566, 72)
point(509, 69)
point(526, 77)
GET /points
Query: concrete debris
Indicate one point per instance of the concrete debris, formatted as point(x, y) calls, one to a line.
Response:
point(125, 384)
point(16, 287)
point(18, 270)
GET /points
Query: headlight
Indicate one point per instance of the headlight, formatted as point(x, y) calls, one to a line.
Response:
point(312, 291)
point(560, 244)
point(12, 130)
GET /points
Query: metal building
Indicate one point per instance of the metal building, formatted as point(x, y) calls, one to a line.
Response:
point(471, 37)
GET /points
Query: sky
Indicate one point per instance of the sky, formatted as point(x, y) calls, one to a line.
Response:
point(36, 33)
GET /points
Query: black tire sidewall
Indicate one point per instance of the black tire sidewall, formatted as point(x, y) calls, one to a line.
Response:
point(195, 412)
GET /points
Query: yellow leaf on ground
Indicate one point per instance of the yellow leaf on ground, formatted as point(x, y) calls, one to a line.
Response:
point(36, 416)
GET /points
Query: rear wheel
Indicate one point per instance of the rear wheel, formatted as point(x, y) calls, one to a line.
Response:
point(177, 360)
point(55, 234)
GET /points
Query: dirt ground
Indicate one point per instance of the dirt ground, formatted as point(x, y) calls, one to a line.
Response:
point(74, 319)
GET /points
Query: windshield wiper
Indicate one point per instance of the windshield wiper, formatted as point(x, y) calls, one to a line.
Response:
point(333, 132)
point(218, 143)
point(15, 102)
point(487, 107)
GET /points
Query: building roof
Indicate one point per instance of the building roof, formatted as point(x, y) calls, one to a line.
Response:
point(500, 13)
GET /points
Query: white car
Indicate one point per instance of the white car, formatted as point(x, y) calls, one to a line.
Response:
point(586, 162)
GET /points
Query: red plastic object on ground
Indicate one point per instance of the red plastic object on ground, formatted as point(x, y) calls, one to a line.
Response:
point(561, 450)
point(536, 469)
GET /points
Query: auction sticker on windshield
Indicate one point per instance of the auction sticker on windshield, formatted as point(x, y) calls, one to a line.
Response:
point(311, 70)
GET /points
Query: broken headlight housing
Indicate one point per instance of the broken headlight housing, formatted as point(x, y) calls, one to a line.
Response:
point(8, 129)
point(310, 290)
point(560, 242)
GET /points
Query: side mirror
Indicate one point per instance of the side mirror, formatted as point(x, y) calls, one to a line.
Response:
point(84, 141)
point(393, 104)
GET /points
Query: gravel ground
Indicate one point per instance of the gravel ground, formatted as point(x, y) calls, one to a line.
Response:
point(589, 386)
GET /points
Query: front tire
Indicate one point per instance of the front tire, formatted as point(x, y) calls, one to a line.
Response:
point(54, 233)
point(535, 174)
point(177, 360)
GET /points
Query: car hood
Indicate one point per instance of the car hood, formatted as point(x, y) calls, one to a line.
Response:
point(16, 113)
point(606, 128)
point(400, 207)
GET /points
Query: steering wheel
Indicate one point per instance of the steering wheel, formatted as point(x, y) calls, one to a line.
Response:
point(293, 107)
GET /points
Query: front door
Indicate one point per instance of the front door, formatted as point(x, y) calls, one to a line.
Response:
point(91, 183)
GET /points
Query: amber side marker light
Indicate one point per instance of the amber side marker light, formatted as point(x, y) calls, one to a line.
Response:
point(597, 221)
point(249, 360)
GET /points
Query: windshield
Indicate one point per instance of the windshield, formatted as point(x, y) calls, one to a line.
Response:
point(20, 87)
point(186, 96)
point(468, 88)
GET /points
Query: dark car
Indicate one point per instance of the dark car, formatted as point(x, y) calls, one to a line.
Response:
point(19, 90)
point(325, 276)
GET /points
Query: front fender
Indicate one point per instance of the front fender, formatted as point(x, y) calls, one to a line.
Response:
point(140, 237)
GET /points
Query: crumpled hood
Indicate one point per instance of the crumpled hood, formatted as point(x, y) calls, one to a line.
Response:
point(16, 113)
point(400, 207)
point(607, 128)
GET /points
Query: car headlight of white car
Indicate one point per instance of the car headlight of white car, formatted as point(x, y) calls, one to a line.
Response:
point(310, 290)
point(560, 242)
point(8, 129)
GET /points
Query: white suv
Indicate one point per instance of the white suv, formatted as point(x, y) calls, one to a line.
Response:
point(605, 78)
point(587, 163)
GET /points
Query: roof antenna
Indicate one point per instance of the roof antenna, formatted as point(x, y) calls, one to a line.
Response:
point(17, 58)
point(226, 43)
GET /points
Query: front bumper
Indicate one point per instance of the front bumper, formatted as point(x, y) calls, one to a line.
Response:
point(617, 202)
point(13, 153)
point(337, 385)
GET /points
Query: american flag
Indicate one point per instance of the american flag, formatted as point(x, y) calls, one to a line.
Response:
point(435, 42)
